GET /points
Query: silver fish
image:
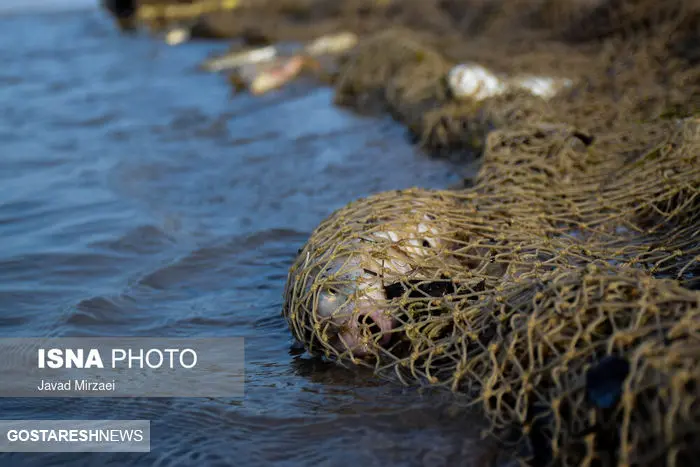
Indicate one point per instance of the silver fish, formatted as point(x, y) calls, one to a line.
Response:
point(332, 44)
point(237, 59)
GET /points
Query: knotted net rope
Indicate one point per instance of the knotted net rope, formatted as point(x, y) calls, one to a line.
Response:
point(562, 291)
point(562, 288)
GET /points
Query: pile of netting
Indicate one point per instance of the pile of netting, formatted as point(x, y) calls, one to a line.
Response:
point(561, 291)
point(562, 287)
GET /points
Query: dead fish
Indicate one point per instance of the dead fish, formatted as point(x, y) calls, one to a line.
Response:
point(332, 44)
point(261, 78)
point(473, 81)
point(238, 59)
point(276, 77)
point(545, 87)
point(354, 288)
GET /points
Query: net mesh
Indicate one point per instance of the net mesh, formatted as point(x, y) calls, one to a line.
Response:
point(561, 291)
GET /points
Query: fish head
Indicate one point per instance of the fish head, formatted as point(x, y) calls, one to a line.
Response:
point(353, 289)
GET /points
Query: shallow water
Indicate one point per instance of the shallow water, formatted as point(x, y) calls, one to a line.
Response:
point(138, 197)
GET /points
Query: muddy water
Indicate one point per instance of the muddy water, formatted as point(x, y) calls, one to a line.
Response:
point(138, 198)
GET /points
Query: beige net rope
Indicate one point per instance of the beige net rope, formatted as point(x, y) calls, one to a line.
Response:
point(562, 291)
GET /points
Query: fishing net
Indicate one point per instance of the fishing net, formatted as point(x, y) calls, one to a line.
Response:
point(561, 291)
point(562, 288)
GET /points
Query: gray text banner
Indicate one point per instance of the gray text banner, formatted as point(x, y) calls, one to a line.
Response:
point(121, 367)
point(75, 436)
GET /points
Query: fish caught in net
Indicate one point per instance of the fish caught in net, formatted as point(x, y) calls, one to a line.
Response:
point(562, 291)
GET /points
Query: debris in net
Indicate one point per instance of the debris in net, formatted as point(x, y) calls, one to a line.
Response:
point(472, 81)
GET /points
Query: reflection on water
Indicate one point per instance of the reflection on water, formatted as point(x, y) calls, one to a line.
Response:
point(137, 198)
